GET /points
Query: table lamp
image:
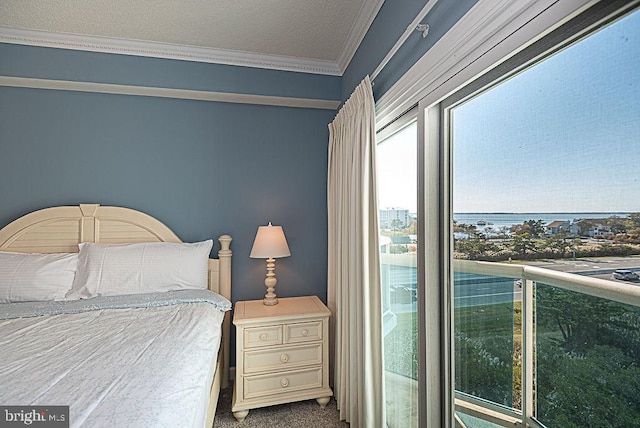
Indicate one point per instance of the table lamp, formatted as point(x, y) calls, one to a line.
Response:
point(270, 244)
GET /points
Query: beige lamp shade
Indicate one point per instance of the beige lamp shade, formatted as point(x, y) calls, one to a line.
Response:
point(270, 242)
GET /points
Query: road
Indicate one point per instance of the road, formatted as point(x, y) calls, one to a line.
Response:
point(599, 267)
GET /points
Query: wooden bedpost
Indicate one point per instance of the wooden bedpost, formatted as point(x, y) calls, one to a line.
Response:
point(224, 255)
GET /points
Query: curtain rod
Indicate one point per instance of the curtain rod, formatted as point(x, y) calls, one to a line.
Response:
point(414, 26)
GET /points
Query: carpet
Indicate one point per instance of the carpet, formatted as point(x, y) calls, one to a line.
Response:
point(307, 414)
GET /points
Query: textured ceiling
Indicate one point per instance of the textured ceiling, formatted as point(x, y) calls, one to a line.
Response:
point(309, 29)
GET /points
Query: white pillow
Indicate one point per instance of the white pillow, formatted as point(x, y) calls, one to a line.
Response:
point(113, 269)
point(36, 277)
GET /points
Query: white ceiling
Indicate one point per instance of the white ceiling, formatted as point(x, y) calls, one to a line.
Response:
point(318, 36)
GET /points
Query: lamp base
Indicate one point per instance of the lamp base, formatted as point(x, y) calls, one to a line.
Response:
point(270, 301)
point(270, 282)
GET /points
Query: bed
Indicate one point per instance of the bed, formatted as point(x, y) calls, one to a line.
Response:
point(147, 357)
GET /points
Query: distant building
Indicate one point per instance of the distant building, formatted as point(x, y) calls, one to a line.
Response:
point(574, 228)
point(558, 226)
point(599, 230)
point(394, 218)
point(593, 228)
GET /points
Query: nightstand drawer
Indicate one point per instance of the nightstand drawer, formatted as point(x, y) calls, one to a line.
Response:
point(262, 336)
point(282, 383)
point(283, 358)
point(303, 332)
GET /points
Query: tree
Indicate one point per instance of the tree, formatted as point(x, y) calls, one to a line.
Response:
point(398, 249)
point(631, 237)
point(616, 224)
point(396, 224)
point(599, 389)
point(531, 228)
point(412, 229)
point(536, 228)
point(587, 360)
point(559, 242)
point(583, 320)
point(475, 249)
point(522, 244)
point(634, 219)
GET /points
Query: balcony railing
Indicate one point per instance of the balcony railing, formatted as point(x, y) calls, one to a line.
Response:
point(579, 335)
point(569, 338)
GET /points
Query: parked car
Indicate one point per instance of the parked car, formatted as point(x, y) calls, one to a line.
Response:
point(625, 275)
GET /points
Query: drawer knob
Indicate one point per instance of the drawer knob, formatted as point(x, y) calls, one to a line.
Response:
point(284, 358)
point(284, 382)
point(305, 333)
point(263, 336)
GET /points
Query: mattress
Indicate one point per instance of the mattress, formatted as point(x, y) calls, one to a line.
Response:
point(125, 361)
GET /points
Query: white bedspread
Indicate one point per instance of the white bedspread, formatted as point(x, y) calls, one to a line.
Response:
point(128, 367)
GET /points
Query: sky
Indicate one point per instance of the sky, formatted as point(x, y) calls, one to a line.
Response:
point(554, 138)
point(562, 136)
point(397, 169)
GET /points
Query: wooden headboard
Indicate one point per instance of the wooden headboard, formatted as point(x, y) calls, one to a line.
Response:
point(61, 229)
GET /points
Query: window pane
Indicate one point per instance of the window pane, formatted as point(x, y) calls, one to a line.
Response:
point(397, 199)
point(484, 311)
point(587, 369)
point(546, 172)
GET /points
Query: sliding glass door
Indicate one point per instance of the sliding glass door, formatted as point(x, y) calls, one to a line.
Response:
point(397, 202)
point(510, 237)
point(545, 191)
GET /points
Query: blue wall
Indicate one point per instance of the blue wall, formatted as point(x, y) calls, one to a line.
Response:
point(203, 168)
point(391, 21)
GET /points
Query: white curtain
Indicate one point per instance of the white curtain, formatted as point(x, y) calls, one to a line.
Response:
point(354, 295)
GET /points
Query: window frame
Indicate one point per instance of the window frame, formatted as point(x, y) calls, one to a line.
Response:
point(565, 35)
point(516, 42)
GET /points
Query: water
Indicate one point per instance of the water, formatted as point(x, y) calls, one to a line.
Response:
point(499, 220)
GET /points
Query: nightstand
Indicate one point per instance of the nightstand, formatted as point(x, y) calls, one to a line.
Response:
point(282, 353)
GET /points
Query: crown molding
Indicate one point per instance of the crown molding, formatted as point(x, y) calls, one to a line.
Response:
point(368, 13)
point(184, 94)
point(166, 50)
